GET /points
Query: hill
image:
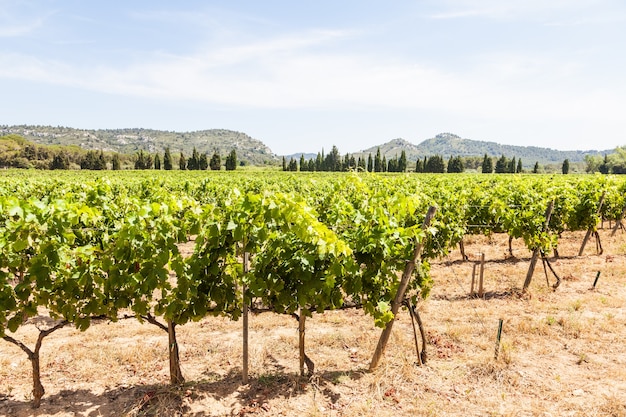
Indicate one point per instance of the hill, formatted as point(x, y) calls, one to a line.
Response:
point(448, 144)
point(129, 141)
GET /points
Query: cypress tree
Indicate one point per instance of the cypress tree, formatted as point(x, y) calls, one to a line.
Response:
point(102, 163)
point(455, 165)
point(361, 164)
point(378, 162)
point(604, 168)
point(435, 164)
point(231, 161)
point(216, 162)
point(203, 163)
point(419, 167)
point(487, 167)
point(402, 164)
point(303, 165)
point(536, 168)
point(318, 162)
point(502, 165)
point(140, 161)
point(167, 160)
point(115, 162)
point(194, 162)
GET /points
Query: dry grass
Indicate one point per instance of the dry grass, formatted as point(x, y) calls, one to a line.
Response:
point(561, 353)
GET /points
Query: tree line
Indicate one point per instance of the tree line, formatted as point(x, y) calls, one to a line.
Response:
point(18, 152)
point(334, 162)
point(196, 161)
point(614, 163)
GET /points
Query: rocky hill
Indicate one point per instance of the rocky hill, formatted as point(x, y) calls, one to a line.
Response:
point(129, 141)
point(448, 144)
point(255, 152)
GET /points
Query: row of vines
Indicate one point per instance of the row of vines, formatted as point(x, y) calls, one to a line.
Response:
point(82, 248)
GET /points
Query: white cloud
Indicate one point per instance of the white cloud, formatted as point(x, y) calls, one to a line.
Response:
point(10, 29)
point(299, 72)
point(562, 10)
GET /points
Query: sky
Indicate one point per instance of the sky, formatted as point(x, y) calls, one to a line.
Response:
point(302, 76)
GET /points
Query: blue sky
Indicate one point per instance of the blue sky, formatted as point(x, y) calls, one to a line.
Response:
point(305, 75)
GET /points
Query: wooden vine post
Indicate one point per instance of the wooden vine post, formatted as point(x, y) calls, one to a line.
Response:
point(537, 251)
point(481, 267)
point(481, 291)
point(301, 329)
point(591, 230)
point(245, 314)
point(618, 223)
point(398, 299)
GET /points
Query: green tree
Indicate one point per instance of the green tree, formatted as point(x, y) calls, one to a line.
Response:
point(536, 168)
point(157, 162)
point(102, 162)
point(182, 162)
point(378, 162)
point(511, 166)
point(487, 166)
point(502, 165)
point(319, 162)
point(435, 164)
point(419, 166)
point(605, 167)
point(565, 167)
point(333, 160)
point(519, 166)
point(141, 162)
point(193, 163)
point(115, 162)
point(402, 163)
point(30, 152)
point(60, 161)
point(167, 160)
point(231, 161)
point(93, 160)
point(361, 164)
point(455, 165)
point(216, 162)
point(204, 162)
point(149, 161)
point(303, 164)
point(370, 163)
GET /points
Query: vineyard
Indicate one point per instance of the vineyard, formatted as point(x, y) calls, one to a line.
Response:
point(174, 250)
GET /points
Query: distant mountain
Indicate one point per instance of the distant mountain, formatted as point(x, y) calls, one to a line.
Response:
point(297, 156)
point(129, 141)
point(255, 152)
point(448, 144)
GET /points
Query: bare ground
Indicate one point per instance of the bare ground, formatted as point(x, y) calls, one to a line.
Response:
point(562, 352)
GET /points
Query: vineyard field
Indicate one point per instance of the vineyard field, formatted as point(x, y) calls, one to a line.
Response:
point(113, 285)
